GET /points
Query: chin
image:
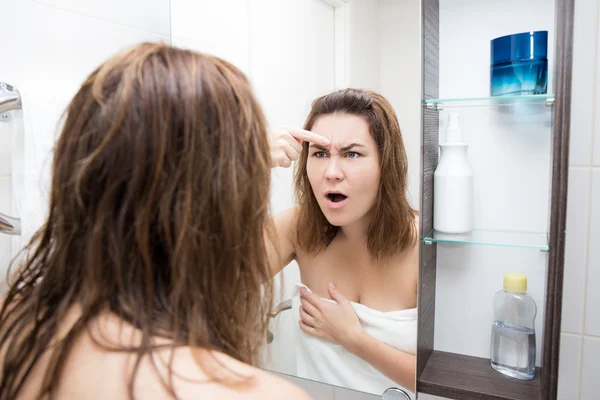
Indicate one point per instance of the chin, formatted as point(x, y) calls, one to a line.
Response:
point(337, 220)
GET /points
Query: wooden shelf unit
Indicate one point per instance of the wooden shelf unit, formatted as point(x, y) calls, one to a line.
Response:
point(458, 376)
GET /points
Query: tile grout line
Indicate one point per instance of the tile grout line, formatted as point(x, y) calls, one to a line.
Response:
point(97, 18)
point(596, 82)
point(582, 335)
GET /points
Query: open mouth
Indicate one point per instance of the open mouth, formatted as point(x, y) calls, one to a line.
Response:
point(336, 197)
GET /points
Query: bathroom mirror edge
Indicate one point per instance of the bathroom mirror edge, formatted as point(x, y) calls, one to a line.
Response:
point(564, 23)
point(429, 155)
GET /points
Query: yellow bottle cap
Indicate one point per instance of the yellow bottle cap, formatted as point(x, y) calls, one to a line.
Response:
point(515, 282)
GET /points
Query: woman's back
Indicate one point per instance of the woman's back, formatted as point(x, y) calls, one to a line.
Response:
point(92, 372)
point(158, 210)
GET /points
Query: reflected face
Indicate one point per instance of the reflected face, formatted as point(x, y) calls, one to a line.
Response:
point(344, 176)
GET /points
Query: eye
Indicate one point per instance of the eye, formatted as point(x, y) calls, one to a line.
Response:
point(319, 154)
point(353, 154)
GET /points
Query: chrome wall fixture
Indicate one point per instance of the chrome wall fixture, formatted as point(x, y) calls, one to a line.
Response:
point(10, 225)
point(10, 99)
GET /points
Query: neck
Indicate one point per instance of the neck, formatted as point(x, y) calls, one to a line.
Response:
point(357, 231)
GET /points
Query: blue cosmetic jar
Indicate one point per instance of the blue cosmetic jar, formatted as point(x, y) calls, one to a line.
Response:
point(519, 64)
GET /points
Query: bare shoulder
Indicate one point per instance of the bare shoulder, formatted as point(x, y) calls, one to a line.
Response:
point(96, 373)
point(417, 225)
point(260, 384)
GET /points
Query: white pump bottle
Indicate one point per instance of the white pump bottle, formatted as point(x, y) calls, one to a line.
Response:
point(453, 183)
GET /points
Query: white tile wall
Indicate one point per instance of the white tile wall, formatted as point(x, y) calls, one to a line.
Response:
point(218, 28)
point(592, 309)
point(400, 83)
point(580, 342)
point(590, 369)
point(52, 49)
point(570, 363)
point(364, 20)
point(151, 16)
point(50, 44)
point(584, 49)
point(575, 255)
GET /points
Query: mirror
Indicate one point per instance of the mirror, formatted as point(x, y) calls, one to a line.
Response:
point(294, 52)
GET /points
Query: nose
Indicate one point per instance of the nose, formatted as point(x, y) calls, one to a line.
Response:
point(333, 172)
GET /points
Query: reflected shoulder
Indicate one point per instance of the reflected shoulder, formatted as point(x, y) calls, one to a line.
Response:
point(417, 229)
point(288, 215)
point(285, 252)
point(285, 223)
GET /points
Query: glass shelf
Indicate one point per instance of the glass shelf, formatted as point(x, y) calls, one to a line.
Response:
point(533, 240)
point(496, 101)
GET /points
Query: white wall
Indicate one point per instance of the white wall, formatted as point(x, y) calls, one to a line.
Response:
point(364, 38)
point(51, 47)
point(400, 78)
point(384, 56)
point(580, 339)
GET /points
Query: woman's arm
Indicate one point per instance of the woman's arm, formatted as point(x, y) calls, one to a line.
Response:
point(393, 363)
point(282, 253)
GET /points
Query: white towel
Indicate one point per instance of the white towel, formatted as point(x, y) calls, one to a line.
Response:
point(323, 361)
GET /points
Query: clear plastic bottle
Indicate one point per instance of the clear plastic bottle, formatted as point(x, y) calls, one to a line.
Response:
point(512, 348)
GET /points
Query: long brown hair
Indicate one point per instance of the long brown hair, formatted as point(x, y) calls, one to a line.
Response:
point(158, 207)
point(392, 228)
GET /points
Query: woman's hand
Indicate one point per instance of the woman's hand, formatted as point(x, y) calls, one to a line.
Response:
point(286, 144)
point(337, 323)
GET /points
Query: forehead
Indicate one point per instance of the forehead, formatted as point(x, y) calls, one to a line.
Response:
point(340, 127)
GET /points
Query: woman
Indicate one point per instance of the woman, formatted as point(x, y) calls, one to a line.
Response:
point(146, 281)
point(354, 237)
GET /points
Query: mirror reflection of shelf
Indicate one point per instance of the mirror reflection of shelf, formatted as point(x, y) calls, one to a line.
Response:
point(459, 376)
point(533, 240)
point(497, 101)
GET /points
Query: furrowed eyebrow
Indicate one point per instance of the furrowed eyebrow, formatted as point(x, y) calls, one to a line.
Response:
point(318, 147)
point(342, 150)
point(351, 145)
